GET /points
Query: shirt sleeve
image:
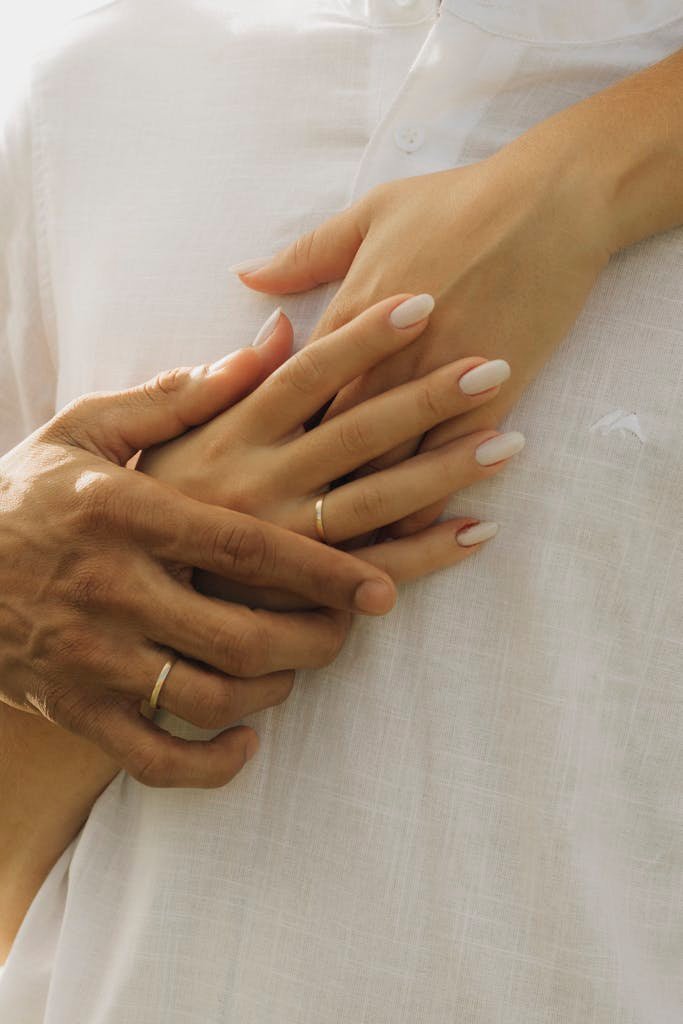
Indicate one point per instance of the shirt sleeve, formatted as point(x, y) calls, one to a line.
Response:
point(27, 369)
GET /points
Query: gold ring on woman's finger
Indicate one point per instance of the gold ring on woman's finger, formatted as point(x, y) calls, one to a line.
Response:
point(319, 524)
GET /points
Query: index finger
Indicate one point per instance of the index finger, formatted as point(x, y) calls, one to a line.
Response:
point(248, 550)
point(309, 379)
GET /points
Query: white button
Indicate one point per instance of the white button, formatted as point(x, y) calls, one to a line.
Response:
point(409, 137)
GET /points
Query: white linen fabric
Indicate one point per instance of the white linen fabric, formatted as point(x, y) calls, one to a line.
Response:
point(475, 814)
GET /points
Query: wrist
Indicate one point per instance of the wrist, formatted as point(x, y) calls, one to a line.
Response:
point(616, 158)
point(569, 205)
point(49, 780)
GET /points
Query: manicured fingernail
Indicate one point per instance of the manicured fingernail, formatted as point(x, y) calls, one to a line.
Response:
point(215, 367)
point(267, 329)
point(476, 533)
point(496, 449)
point(485, 376)
point(375, 596)
point(248, 266)
point(251, 747)
point(410, 312)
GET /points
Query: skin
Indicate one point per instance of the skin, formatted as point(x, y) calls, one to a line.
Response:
point(533, 226)
point(98, 591)
point(256, 458)
point(510, 247)
point(101, 590)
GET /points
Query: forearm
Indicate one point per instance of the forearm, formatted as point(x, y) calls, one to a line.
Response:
point(49, 780)
point(623, 148)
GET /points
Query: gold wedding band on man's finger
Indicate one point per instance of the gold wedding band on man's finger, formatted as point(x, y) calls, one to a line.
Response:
point(208, 699)
point(148, 708)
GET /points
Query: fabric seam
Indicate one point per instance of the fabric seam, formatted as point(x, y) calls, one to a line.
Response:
point(388, 114)
point(39, 191)
point(561, 43)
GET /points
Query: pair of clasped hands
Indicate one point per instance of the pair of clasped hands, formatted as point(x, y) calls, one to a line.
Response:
point(207, 549)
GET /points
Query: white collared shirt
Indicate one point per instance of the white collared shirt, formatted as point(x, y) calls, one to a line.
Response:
point(475, 814)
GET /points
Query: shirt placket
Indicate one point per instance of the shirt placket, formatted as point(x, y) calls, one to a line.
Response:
point(399, 12)
point(436, 102)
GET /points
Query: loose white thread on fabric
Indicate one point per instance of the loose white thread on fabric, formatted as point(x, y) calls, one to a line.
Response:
point(619, 419)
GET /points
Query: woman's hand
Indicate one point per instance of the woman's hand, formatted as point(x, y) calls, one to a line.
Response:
point(510, 248)
point(94, 581)
point(509, 256)
point(256, 457)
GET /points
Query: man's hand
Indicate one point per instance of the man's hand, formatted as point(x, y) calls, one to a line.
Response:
point(95, 561)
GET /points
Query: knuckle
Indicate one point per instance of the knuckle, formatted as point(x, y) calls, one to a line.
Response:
point(73, 423)
point(243, 651)
point(303, 372)
point(210, 709)
point(81, 408)
point(149, 765)
point(99, 502)
point(89, 586)
point(74, 646)
point(244, 548)
point(69, 707)
point(354, 436)
point(166, 383)
point(431, 404)
point(350, 302)
point(220, 709)
point(77, 651)
point(62, 423)
point(84, 715)
point(369, 506)
point(98, 583)
point(73, 409)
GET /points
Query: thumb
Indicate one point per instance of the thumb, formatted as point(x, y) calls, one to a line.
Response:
point(118, 424)
point(324, 254)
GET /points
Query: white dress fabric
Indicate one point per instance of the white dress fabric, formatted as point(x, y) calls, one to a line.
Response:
point(475, 814)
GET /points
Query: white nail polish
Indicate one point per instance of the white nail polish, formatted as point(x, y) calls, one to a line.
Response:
point(248, 266)
point(496, 449)
point(268, 328)
point(487, 375)
point(410, 312)
point(476, 534)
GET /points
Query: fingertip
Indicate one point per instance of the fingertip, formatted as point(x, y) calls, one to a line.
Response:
point(474, 532)
point(257, 275)
point(267, 330)
point(485, 378)
point(412, 311)
point(496, 450)
point(247, 267)
point(376, 596)
point(274, 350)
